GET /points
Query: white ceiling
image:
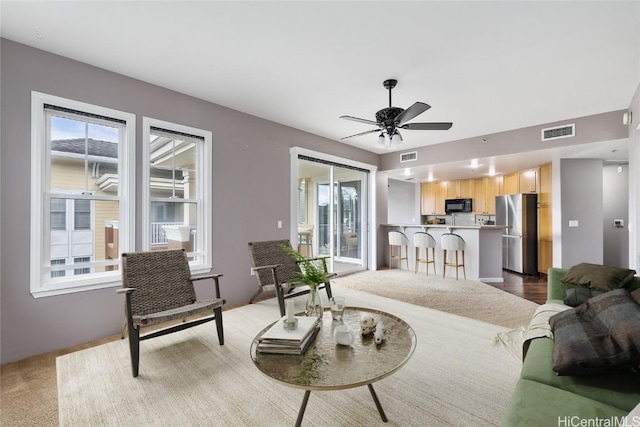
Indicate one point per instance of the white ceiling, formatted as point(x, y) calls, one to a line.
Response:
point(485, 66)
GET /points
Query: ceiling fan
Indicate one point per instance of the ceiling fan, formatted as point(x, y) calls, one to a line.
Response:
point(391, 119)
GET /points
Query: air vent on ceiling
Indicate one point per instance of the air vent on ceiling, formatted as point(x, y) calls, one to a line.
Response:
point(564, 131)
point(409, 157)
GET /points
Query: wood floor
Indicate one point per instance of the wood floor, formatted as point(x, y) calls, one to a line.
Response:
point(532, 288)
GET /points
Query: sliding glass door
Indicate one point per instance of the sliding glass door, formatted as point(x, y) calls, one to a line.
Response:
point(332, 214)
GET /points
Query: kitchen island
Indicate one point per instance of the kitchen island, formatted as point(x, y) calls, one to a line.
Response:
point(483, 255)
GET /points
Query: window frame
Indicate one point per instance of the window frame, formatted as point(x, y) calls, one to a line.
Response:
point(204, 173)
point(40, 284)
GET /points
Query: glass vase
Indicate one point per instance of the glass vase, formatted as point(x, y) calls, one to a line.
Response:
point(313, 305)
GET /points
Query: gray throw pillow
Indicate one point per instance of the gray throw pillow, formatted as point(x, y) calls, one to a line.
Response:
point(601, 277)
point(576, 296)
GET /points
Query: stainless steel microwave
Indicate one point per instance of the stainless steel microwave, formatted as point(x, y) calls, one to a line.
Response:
point(458, 205)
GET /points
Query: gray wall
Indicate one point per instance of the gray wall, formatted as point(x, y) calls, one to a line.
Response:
point(251, 180)
point(596, 128)
point(582, 188)
point(402, 203)
point(634, 183)
point(615, 202)
point(382, 200)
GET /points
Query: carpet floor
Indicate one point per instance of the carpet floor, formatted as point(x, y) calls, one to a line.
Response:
point(457, 376)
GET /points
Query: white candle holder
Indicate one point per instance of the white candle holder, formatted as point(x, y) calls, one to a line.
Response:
point(290, 326)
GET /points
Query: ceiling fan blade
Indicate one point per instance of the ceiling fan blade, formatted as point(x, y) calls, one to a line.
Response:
point(411, 112)
point(356, 119)
point(427, 126)
point(362, 133)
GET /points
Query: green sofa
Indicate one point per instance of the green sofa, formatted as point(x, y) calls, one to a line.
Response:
point(543, 398)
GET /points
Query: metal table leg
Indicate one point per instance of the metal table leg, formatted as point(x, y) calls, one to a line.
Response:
point(377, 402)
point(305, 399)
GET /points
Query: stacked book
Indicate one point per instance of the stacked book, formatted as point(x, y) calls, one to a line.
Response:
point(279, 340)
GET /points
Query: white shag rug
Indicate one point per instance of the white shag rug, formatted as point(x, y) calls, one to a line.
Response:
point(468, 298)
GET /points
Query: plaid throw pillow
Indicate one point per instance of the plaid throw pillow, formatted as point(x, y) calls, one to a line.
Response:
point(576, 296)
point(600, 335)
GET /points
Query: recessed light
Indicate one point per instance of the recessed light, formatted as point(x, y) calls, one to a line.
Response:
point(38, 35)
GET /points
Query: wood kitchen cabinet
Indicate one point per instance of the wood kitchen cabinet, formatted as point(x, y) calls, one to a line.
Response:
point(441, 194)
point(545, 256)
point(460, 189)
point(512, 183)
point(545, 219)
point(480, 195)
point(485, 191)
point(428, 198)
point(451, 188)
point(432, 196)
point(545, 226)
point(493, 185)
point(544, 195)
point(528, 181)
point(465, 188)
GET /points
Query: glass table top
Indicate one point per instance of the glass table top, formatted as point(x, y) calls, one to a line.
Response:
point(330, 366)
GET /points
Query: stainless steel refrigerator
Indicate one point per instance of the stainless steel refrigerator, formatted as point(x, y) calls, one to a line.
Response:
point(519, 213)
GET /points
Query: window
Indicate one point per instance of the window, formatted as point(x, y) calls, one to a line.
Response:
point(176, 190)
point(82, 218)
point(81, 261)
point(58, 214)
point(82, 160)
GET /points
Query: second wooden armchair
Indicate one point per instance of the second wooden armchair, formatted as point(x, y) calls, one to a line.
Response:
point(276, 270)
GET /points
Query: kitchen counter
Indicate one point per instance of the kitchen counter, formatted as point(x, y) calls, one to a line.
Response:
point(483, 254)
point(466, 227)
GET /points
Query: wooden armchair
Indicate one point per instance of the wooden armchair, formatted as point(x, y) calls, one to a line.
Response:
point(277, 270)
point(158, 287)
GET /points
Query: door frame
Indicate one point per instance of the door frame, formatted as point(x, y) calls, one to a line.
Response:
point(370, 255)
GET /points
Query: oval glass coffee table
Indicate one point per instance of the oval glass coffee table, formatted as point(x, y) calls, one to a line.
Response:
point(329, 366)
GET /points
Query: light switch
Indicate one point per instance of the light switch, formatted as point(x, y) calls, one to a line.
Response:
point(573, 223)
point(279, 224)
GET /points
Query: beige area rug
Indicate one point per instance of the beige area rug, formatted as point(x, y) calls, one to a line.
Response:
point(457, 376)
point(468, 298)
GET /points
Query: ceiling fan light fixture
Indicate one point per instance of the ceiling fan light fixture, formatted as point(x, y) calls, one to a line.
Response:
point(397, 138)
point(390, 119)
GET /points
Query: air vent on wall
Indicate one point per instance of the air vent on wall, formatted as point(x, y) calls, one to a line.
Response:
point(564, 131)
point(409, 157)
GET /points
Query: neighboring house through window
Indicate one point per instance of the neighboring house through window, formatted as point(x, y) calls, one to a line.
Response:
point(72, 234)
point(82, 189)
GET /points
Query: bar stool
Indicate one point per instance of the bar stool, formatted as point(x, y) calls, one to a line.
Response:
point(452, 242)
point(426, 241)
point(398, 239)
point(305, 239)
point(351, 240)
